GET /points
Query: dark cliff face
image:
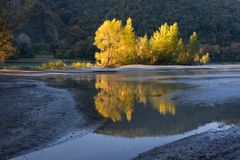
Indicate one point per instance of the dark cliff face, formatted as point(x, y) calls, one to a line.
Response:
point(66, 24)
point(42, 24)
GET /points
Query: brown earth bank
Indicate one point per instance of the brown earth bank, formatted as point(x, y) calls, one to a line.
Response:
point(32, 115)
point(218, 145)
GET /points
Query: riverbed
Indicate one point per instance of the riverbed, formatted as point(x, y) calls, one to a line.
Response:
point(115, 114)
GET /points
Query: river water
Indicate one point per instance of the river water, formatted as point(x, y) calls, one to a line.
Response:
point(140, 111)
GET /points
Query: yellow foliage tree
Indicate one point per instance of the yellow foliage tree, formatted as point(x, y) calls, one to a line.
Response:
point(143, 53)
point(205, 59)
point(127, 50)
point(164, 44)
point(108, 40)
point(116, 43)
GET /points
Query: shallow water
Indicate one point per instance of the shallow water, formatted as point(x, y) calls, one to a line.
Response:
point(143, 111)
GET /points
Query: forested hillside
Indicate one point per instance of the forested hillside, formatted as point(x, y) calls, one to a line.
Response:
point(66, 28)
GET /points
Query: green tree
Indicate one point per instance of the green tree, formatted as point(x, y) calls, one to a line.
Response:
point(191, 53)
point(193, 44)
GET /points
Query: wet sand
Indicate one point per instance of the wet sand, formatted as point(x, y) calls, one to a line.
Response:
point(206, 146)
point(33, 115)
point(42, 114)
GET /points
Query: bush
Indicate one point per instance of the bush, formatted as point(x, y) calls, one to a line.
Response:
point(79, 64)
point(56, 64)
point(205, 59)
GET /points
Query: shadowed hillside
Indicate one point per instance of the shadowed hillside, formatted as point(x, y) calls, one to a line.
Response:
point(66, 27)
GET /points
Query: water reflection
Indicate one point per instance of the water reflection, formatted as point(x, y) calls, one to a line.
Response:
point(137, 105)
point(117, 98)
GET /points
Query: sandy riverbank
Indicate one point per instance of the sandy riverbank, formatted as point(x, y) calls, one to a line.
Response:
point(33, 115)
point(127, 68)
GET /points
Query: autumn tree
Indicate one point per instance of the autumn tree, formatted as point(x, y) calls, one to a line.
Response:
point(6, 48)
point(143, 54)
point(116, 43)
point(12, 13)
point(128, 44)
point(205, 58)
point(164, 44)
point(119, 45)
point(108, 39)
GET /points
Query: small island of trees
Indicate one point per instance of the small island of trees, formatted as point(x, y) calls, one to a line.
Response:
point(118, 45)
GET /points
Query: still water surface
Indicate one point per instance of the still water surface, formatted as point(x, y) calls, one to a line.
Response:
point(140, 111)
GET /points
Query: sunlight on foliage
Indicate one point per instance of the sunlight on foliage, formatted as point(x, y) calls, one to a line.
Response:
point(78, 64)
point(55, 64)
point(107, 40)
point(164, 44)
point(205, 59)
point(119, 45)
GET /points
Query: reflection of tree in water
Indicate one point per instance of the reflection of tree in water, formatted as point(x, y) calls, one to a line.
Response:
point(114, 99)
point(164, 106)
point(117, 98)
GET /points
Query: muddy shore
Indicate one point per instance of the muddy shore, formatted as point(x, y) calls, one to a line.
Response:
point(41, 114)
point(33, 115)
point(206, 146)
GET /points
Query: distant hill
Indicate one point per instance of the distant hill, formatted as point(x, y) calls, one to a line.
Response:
point(66, 27)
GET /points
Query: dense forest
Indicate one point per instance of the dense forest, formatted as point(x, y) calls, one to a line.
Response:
point(66, 28)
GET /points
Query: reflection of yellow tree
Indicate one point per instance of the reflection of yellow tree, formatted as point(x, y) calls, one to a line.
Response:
point(116, 97)
point(164, 106)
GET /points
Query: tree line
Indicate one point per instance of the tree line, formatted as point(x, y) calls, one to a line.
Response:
point(75, 22)
point(119, 45)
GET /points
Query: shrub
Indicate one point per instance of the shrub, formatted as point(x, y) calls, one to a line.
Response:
point(55, 64)
point(205, 59)
point(79, 64)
